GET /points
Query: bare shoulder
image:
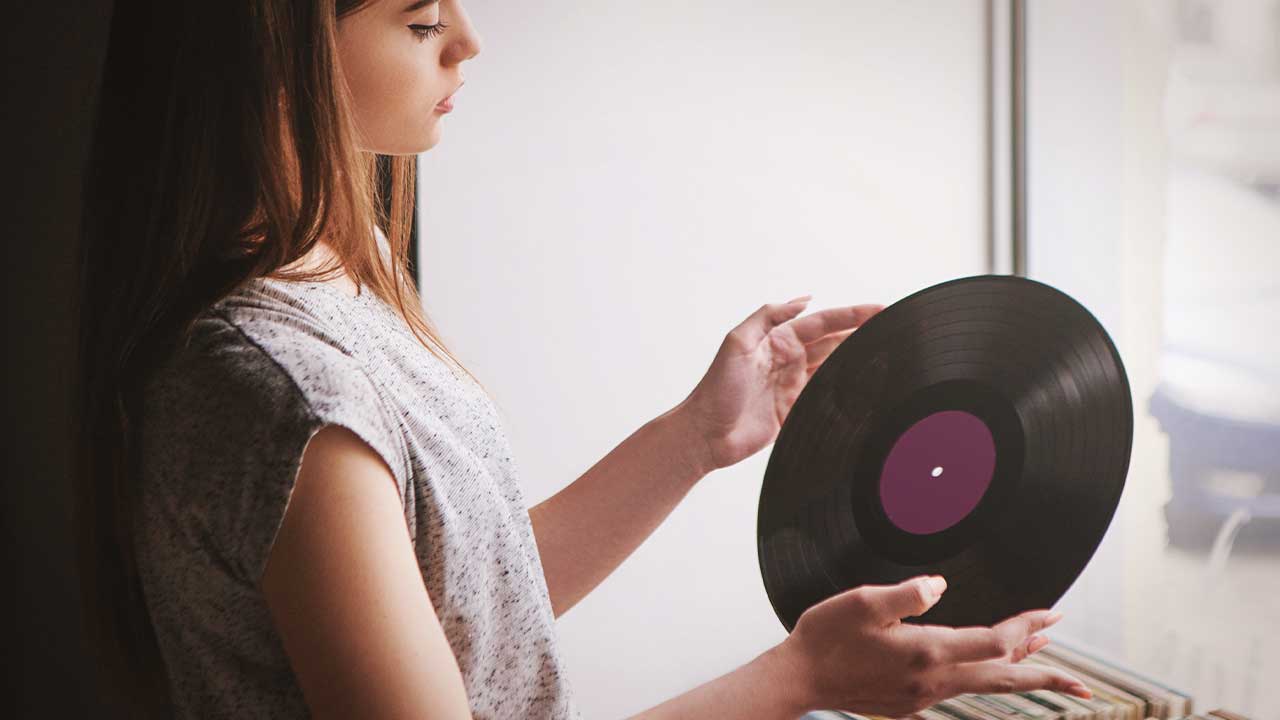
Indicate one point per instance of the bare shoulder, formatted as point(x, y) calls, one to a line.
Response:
point(346, 595)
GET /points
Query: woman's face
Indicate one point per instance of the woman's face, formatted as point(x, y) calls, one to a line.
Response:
point(401, 59)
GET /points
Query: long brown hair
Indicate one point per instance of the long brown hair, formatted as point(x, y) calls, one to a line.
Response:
point(223, 149)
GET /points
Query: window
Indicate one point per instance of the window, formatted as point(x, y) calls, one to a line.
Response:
point(1153, 197)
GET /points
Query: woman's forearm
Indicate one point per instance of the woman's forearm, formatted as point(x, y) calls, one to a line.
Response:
point(587, 529)
point(767, 688)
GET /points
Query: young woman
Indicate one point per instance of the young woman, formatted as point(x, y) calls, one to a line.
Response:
point(293, 501)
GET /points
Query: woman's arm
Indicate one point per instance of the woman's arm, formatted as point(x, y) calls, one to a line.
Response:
point(587, 529)
point(346, 594)
point(763, 689)
point(853, 652)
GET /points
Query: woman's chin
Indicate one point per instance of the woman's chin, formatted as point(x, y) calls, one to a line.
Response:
point(433, 136)
point(416, 143)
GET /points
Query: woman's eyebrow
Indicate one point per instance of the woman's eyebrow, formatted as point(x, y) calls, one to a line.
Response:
point(420, 4)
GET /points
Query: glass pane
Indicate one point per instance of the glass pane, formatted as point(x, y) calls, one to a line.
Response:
point(1154, 199)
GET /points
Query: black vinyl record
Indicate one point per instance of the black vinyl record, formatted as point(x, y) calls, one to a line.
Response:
point(979, 429)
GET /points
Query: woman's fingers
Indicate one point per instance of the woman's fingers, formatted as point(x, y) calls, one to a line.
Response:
point(1011, 640)
point(758, 324)
point(1035, 644)
point(1021, 630)
point(994, 676)
point(824, 322)
point(817, 351)
point(974, 644)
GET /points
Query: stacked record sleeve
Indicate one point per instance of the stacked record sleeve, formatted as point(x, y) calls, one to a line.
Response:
point(1118, 694)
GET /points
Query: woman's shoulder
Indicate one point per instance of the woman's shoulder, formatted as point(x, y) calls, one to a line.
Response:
point(225, 419)
point(270, 359)
point(263, 346)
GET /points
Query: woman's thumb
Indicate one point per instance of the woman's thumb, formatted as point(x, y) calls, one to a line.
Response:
point(908, 598)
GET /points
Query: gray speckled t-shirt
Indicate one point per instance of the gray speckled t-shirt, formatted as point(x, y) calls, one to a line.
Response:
point(224, 425)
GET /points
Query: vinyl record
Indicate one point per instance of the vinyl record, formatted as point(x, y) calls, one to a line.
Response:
point(979, 429)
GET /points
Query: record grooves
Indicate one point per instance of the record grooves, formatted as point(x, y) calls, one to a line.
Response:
point(979, 429)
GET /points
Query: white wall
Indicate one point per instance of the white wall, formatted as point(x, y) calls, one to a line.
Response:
point(621, 183)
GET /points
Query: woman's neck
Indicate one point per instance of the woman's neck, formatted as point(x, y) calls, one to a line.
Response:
point(316, 259)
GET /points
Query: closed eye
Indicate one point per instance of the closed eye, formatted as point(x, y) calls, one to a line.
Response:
point(425, 32)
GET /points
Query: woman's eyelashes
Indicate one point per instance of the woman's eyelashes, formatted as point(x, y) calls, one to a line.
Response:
point(425, 32)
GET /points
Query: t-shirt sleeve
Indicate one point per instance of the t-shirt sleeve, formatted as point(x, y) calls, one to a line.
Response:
point(225, 428)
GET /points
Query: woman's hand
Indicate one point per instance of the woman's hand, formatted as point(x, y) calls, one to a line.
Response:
point(740, 404)
point(853, 652)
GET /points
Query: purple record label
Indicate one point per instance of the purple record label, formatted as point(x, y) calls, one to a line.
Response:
point(937, 472)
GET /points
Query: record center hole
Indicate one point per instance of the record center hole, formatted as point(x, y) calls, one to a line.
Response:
point(937, 471)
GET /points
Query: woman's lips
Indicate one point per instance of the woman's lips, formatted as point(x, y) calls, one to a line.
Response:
point(446, 104)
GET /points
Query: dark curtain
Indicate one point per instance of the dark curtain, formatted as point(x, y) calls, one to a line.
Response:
point(53, 56)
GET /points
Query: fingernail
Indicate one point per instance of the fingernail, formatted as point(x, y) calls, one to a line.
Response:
point(938, 585)
point(1037, 644)
point(1052, 618)
point(1080, 691)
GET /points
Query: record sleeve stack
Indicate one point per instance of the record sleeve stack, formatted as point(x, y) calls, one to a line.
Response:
point(1118, 694)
